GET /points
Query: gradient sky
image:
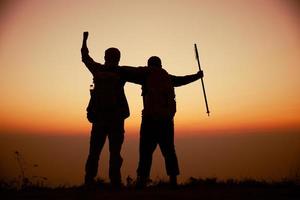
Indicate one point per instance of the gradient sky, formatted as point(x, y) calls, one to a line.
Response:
point(249, 50)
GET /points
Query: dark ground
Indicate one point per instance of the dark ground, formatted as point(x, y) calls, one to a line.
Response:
point(193, 190)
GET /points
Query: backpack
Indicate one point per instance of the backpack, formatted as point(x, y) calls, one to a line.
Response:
point(158, 95)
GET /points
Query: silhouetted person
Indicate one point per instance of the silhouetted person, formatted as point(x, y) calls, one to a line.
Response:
point(107, 111)
point(157, 127)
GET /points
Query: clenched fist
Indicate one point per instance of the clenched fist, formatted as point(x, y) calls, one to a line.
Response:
point(85, 35)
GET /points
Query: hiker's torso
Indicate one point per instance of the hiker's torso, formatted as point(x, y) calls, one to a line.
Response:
point(109, 96)
point(158, 94)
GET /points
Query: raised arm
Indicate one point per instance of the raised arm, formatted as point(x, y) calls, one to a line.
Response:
point(183, 80)
point(85, 57)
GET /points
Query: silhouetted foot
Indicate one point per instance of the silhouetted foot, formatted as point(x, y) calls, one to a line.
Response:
point(116, 183)
point(141, 183)
point(173, 182)
point(90, 184)
point(116, 186)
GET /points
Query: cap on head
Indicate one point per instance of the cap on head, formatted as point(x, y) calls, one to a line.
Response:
point(112, 56)
point(154, 61)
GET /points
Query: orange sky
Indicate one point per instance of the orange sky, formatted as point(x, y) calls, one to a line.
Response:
point(250, 54)
point(249, 51)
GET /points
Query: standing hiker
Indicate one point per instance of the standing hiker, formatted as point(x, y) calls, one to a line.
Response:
point(107, 111)
point(157, 127)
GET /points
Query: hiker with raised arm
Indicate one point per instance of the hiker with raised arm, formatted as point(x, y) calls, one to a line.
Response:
point(107, 111)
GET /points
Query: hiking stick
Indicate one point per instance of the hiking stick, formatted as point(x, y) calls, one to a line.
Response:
point(203, 88)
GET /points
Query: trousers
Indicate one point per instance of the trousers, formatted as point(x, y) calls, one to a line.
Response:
point(114, 130)
point(155, 132)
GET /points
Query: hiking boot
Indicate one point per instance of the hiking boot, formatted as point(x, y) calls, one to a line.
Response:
point(116, 185)
point(90, 184)
point(173, 182)
point(141, 182)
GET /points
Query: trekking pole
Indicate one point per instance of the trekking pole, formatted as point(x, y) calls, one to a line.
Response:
point(203, 88)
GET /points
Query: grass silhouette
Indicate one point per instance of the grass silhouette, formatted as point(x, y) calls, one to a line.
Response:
point(32, 187)
point(194, 188)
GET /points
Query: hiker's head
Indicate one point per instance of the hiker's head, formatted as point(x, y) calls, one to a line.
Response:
point(112, 56)
point(154, 61)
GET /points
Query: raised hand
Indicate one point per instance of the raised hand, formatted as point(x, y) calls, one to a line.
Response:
point(85, 35)
point(200, 74)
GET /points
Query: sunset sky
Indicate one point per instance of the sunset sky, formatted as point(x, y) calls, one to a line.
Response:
point(249, 51)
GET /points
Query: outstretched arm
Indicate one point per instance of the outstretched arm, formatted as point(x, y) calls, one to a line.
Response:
point(183, 80)
point(135, 75)
point(85, 57)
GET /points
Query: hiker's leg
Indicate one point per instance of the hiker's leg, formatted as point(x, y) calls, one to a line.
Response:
point(97, 141)
point(116, 138)
point(146, 148)
point(166, 143)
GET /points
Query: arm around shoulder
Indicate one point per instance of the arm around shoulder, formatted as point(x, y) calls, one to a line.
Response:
point(135, 75)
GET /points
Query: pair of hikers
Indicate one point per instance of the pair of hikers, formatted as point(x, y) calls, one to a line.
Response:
point(108, 109)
